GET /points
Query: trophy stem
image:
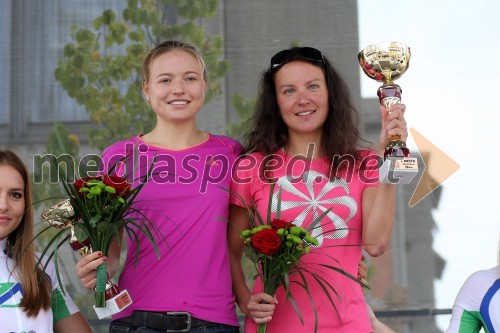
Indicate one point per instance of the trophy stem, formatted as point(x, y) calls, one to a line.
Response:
point(390, 94)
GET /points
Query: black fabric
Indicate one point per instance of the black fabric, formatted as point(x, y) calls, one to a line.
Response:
point(164, 321)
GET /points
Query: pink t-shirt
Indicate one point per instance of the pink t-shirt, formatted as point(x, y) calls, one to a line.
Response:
point(185, 200)
point(340, 237)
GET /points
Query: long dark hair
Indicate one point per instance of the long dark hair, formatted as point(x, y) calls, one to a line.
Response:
point(37, 289)
point(340, 137)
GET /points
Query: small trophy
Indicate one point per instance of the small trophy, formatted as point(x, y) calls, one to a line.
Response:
point(386, 62)
point(60, 216)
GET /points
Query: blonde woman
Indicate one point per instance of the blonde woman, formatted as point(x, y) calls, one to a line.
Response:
point(189, 288)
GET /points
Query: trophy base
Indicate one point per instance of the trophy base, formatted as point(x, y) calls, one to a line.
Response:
point(396, 148)
point(396, 153)
point(398, 171)
point(114, 305)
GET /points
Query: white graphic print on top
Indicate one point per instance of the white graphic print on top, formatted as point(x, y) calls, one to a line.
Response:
point(317, 203)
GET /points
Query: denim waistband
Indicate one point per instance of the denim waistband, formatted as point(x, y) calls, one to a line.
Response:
point(169, 321)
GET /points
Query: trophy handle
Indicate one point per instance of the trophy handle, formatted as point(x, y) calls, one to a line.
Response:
point(389, 95)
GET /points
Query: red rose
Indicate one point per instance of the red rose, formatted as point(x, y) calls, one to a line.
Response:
point(280, 224)
point(266, 241)
point(82, 182)
point(120, 184)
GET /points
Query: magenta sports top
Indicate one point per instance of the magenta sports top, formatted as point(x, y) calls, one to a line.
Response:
point(185, 200)
point(305, 196)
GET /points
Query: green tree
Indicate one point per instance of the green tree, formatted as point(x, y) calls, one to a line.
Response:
point(244, 109)
point(101, 67)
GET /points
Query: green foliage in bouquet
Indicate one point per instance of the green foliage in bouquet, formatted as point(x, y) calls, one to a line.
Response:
point(100, 207)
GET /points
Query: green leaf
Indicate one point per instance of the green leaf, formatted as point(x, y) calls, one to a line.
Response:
point(69, 50)
point(98, 23)
point(93, 220)
point(108, 16)
point(96, 190)
point(78, 61)
point(84, 35)
point(110, 189)
point(80, 232)
point(91, 66)
point(101, 228)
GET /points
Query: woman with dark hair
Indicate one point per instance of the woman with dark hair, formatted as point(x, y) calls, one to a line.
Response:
point(305, 141)
point(270, 132)
point(31, 299)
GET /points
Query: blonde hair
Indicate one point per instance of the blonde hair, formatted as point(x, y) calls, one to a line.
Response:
point(37, 289)
point(168, 46)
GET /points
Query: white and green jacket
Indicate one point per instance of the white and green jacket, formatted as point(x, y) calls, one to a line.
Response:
point(478, 304)
point(12, 318)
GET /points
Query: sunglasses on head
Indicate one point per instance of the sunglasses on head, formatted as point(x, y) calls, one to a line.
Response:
point(307, 53)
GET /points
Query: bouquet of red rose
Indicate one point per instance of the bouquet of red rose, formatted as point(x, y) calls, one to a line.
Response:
point(277, 249)
point(96, 209)
point(276, 246)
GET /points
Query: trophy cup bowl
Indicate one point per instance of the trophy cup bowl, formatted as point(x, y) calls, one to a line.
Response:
point(59, 216)
point(386, 62)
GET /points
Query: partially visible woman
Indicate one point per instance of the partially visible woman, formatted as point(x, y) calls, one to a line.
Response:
point(377, 325)
point(477, 304)
point(30, 299)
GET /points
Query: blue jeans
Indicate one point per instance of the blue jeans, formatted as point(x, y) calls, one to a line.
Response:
point(120, 327)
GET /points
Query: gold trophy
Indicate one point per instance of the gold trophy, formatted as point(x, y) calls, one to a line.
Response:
point(386, 62)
